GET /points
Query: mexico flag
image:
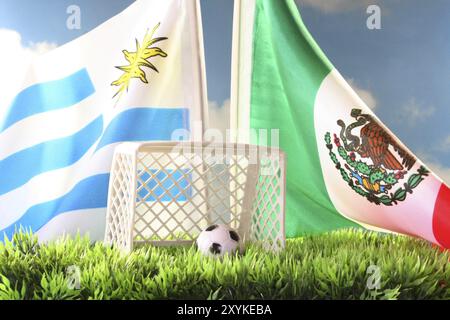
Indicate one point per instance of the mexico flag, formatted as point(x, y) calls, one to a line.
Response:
point(345, 168)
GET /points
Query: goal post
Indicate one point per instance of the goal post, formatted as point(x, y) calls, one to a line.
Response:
point(166, 193)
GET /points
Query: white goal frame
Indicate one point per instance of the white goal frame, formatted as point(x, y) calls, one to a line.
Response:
point(165, 193)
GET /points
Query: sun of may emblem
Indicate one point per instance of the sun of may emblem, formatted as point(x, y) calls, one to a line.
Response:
point(138, 60)
point(373, 163)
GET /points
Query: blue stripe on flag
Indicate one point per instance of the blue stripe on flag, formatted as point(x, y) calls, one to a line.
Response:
point(90, 193)
point(137, 124)
point(22, 166)
point(49, 96)
point(169, 190)
point(141, 124)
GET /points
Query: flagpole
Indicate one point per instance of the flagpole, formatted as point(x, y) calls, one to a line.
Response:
point(202, 69)
point(234, 87)
point(242, 50)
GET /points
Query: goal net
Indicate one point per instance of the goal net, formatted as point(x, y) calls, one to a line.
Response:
point(168, 192)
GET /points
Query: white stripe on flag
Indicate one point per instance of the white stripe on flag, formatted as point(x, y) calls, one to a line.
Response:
point(30, 138)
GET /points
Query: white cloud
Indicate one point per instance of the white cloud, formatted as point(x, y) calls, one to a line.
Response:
point(41, 47)
point(442, 171)
point(336, 6)
point(412, 112)
point(438, 168)
point(219, 115)
point(364, 94)
point(15, 59)
point(13, 50)
point(442, 146)
point(445, 145)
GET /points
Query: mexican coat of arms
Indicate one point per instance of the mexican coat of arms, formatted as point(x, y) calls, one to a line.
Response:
point(372, 162)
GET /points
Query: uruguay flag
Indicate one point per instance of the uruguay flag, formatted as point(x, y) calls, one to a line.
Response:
point(139, 76)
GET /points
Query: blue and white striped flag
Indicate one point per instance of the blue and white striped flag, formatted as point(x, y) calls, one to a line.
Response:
point(138, 76)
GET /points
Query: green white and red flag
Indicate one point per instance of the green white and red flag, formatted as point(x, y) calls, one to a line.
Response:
point(345, 167)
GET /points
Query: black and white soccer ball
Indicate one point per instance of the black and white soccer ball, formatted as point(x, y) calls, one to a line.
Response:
point(218, 240)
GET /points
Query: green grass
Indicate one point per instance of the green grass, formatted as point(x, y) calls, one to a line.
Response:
point(329, 266)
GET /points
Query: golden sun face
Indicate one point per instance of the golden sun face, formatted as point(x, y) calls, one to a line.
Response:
point(138, 60)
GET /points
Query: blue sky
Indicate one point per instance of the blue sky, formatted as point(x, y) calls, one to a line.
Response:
point(405, 65)
point(45, 20)
point(402, 69)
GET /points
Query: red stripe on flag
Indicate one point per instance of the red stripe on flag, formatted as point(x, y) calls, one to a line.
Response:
point(441, 217)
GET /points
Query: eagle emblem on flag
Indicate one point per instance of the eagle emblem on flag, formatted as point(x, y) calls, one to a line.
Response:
point(373, 163)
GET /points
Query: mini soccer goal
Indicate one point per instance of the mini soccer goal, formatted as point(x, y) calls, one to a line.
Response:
point(167, 192)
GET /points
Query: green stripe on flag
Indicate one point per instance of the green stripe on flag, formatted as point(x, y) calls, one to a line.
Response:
point(288, 68)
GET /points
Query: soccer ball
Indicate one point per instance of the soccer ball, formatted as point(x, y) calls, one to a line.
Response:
point(217, 240)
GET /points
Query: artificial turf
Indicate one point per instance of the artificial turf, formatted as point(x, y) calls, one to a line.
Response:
point(335, 265)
